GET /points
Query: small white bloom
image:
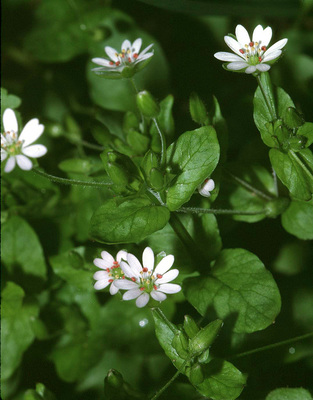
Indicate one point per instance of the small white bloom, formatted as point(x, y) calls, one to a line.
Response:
point(16, 148)
point(129, 56)
point(148, 280)
point(206, 187)
point(112, 270)
point(251, 55)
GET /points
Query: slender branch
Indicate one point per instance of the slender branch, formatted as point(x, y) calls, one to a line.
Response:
point(134, 84)
point(273, 113)
point(250, 187)
point(275, 182)
point(198, 210)
point(159, 392)
point(86, 144)
point(272, 346)
point(65, 181)
point(163, 143)
point(302, 165)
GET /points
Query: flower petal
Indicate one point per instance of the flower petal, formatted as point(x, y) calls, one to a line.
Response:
point(148, 258)
point(103, 283)
point(23, 162)
point(242, 35)
point(125, 284)
point(225, 56)
point(237, 65)
point(113, 289)
point(9, 121)
point(233, 44)
point(130, 273)
point(257, 35)
point(142, 300)
point(250, 69)
point(267, 36)
point(134, 263)
point(31, 132)
point(168, 277)
point(126, 45)
point(144, 57)
point(164, 265)
point(112, 53)
point(121, 255)
point(146, 50)
point(101, 61)
point(4, 155)
point(10, 164)
point(107, 258)
point(276, 46)
point(263, 67)
point(272, 55)
point(35, 151)
point(98, 262)
point(169, 288)
point(132, 294)
point(136, 46)
point(100, 275)
point(158, 296)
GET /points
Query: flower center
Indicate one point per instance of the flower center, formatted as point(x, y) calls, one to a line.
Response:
point(115, 272)
point(253, 52)
point(10, 143)
point(125, 58)
point(147, 281)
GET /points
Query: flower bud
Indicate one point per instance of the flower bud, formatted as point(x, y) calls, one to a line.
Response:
point(196, 375)
point(292, 118)
point(114, 379)
point(276, 207)
point(180, 344)
point(156, 179)
point(149, 161)
point(197, 109)
point(206, 187)
point(204, 357)
point(147, 104)
point(204, 338)
point(130, 122)
point(190, 326)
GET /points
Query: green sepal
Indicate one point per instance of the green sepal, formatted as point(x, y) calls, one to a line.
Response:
point(130, 122)
point(180, 344)
point(292, 118)
point(156, 179)
point(190, 326)
point(196, 374)
point(147, 105)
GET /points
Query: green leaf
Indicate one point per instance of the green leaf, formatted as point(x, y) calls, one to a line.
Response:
point(193, 157)
point(298, 219)
point(128, 221)
point(165, 332)
point(289, 394)
point(238, 286)
point(261, 113)
point(290, 171)
point(306, 130)
point(223, 381)
point(16, 327)
point(21, 248)
point(71, 268)
point(41, 393)
point(9, 100)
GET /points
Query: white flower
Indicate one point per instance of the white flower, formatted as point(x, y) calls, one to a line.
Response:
point(112, 271)
point(17, 148)
point(206, 187)
point(252, 55)
point(129, 56)
point(148, 280)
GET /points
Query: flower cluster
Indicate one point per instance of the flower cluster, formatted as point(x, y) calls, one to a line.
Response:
point(129, 56)
point(139, 280)
point(251, 55)
point(16, 148)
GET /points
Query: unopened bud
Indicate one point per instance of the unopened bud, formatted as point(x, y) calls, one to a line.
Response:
point(147, 104)
point(156, 179)
point(190, 326)
point(292, 118)
point(114, 378)
point(196, 375)
point(206, 187)
point(197, 109)
point(205, 337)
point(130, 122)
point(180, 344)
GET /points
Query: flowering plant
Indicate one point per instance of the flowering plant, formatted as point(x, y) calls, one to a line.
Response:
point(161, 248)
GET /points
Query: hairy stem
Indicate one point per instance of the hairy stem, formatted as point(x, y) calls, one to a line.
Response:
point(198, 210)
point(163, 143)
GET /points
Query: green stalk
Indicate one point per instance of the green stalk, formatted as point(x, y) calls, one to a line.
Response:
point(73, 182)
point(198, 210)
point(163, 143)
point(267, 92)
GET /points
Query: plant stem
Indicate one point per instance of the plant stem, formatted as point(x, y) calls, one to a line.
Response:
point(270, 109)
point(186, 239)
point(86, 144)
point(250, 187)
point(198, 210)
point(163, 143)
point(302, 165)
point(74, 182)
point(134, 84)
point(159, 392)
point(275, 182)
point(272, 346)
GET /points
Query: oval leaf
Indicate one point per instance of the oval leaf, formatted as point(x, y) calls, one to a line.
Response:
point(239, 286)
point(127, 222)
point(298, 219)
